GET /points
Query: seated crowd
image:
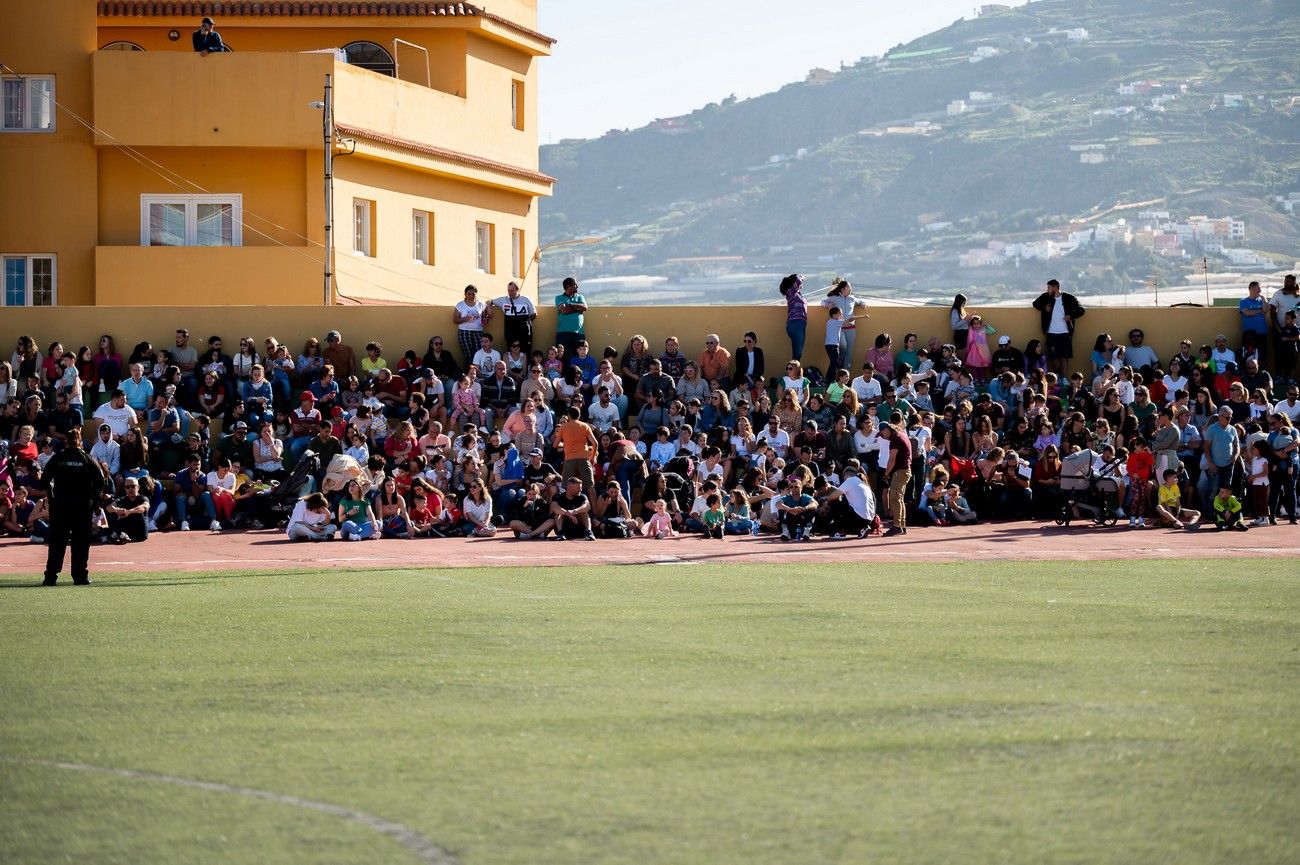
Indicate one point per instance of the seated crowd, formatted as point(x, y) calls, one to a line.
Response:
point(325, 443)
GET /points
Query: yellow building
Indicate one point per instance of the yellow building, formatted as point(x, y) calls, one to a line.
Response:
point(140, 172)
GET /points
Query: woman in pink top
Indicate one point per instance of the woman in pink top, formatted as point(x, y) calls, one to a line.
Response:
point(882, 355)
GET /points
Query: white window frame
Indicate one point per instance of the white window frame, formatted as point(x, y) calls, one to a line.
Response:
point(362, 232)
point(517, 103)
point(517, 237)
point(422, 236)
point(192, 202)
point(28, 259)
point(26, 90)
point(484, 243)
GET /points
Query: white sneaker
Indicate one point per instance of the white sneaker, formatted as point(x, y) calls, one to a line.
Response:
point(1132, 522)
point(185, 525)
point(354, 537)
point(1259, 521)
point(214, 526)
point(1142, 522)
point(151, 525)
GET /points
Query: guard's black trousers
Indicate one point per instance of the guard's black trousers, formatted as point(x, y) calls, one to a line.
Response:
point(69, 525)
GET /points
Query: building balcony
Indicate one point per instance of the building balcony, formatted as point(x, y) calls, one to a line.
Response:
point(263, 100)
point(208, 275)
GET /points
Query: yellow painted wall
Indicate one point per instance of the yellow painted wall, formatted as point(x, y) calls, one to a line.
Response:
point(479, 124)
point(492, 69)
point(168, 99)
point(402, 328)
point(52, 37)
point(456, 207)
point(136, 276)
point(274, 184)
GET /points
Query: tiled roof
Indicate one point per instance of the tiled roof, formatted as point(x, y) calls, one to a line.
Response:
point(456, 156)
point(303, 9)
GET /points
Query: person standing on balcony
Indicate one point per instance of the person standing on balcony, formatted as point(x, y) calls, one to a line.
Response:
point(206, 39)
point(569, 308)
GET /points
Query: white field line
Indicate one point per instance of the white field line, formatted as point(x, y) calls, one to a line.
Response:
point(421, 847)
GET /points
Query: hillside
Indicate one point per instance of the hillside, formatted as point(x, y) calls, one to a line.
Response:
point(895, 167)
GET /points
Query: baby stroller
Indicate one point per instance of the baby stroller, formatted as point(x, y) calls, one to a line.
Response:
point(273, 507)
point(1087, 493)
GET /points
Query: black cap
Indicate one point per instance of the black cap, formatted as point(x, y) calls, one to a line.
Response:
point(207, 21)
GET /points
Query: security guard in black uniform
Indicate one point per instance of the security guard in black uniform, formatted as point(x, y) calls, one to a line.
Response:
point(75, 482)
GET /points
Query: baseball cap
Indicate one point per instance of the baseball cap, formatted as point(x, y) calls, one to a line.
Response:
point(1004, 340)
point(239, 424)
point(535, 452)
point(307, 395)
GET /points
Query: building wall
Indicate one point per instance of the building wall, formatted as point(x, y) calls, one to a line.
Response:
point(456, 206)
point(193, 117)
point(141, 276)
point(402, 328)
point(52, 37)
point(274, 185)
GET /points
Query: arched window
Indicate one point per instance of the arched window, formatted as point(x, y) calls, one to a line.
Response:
point(370, 56)
point(121, 46)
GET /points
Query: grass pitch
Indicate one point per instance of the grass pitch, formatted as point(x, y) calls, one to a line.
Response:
point(1095, 713)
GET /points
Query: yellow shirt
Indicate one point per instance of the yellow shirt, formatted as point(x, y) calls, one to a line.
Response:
point(1170, 498)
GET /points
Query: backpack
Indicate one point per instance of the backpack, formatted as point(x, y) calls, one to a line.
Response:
point(814, 376)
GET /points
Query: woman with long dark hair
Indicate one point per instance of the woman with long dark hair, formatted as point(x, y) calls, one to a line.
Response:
point(796, 314)
point(959, 320)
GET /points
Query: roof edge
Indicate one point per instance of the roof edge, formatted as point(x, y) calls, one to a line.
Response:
point(456, 156)
point(309, 9)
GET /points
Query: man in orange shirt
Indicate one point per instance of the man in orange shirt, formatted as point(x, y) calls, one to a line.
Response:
point(577, 441)
point(714, 362)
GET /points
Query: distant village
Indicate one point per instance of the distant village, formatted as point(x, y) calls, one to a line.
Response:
point(1154, 230)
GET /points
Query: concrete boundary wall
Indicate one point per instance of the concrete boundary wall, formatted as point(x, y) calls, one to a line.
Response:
point(400, 328)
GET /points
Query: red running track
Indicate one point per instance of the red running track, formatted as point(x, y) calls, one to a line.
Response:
point(271, 551)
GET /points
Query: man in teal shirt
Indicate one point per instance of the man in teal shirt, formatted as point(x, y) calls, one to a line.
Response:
point(569, 307)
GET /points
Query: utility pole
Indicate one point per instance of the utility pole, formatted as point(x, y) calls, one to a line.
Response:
point(328, 122)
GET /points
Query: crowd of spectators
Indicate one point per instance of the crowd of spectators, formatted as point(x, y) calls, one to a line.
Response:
point(465, 437)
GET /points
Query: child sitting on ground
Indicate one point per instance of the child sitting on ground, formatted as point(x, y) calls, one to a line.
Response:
point(1169, 504)
point(1227, 511)
point(714, 518)
point(660, 524)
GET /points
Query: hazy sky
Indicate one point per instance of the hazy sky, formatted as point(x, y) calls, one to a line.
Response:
point(622, 63)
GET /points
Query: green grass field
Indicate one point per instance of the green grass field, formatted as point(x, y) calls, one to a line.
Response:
point(1144, 712)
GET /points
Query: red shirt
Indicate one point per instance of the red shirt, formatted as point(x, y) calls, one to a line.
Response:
point(1140, 465)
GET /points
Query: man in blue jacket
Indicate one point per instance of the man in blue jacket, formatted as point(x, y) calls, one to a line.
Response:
point(207, 40)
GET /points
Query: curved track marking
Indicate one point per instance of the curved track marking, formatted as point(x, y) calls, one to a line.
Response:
point(422, 848)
